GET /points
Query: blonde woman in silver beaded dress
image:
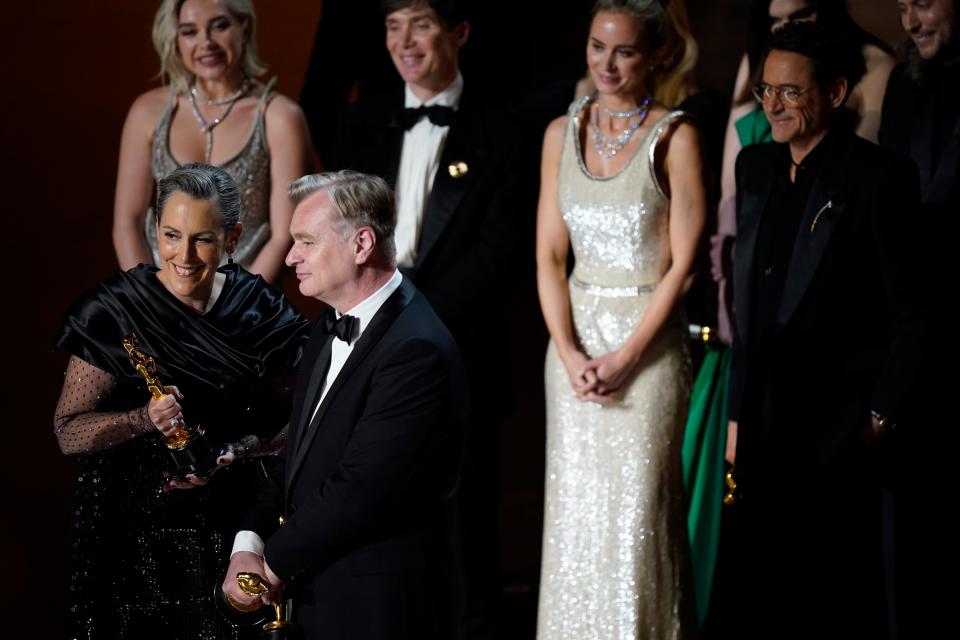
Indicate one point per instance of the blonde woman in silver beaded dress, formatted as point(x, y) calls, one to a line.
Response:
point(211, 109)
point(621, 184)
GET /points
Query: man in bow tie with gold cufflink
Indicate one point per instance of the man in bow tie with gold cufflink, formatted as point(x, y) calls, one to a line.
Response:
point(466, 202)
point(356, 522)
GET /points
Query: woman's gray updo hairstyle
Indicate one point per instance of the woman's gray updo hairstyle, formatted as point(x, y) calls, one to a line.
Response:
point(203, 181)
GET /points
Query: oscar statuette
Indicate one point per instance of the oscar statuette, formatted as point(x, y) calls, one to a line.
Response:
point(252, 584)
point(188, 446)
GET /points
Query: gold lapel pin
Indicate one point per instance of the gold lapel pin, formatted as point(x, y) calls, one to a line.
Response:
point(458, 169)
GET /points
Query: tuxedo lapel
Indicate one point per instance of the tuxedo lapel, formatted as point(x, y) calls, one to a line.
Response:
point(317, 376)
point(370, 337)
point(315, 385)
point(306, 400)
point(752, 208)
point(921, 142)
point(391, 146)
point(462, 150)
point(383, 159)
point(942, 180)
point(824, 209)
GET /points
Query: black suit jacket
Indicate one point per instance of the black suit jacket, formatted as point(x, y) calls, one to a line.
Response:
point(367, 550)
point(917, 117)
point(853, 321)
point(477, 233)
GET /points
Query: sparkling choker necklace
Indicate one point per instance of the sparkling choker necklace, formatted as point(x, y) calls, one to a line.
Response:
point(219, 102)
point(609, 146)
point(623, 115)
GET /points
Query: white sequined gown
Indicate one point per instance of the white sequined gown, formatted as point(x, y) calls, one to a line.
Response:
point(615, 560)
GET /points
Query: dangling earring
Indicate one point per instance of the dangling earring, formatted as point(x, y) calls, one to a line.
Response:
point(230, 258)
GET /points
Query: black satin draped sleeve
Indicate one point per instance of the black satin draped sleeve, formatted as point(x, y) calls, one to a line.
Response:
point(233, 364)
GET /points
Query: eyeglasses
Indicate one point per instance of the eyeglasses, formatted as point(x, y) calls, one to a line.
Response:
point(788, 94)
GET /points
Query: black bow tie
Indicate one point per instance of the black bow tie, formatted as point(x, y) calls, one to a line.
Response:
point(439, 115)
point(343, 327)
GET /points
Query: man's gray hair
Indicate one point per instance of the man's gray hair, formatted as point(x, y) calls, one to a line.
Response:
point(361, 200)
point(203, 181)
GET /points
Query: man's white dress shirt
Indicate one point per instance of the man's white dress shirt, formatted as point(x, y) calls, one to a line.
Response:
point(419, 159)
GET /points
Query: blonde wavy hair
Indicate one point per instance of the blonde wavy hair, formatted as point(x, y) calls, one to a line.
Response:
point(172, 69)
point(667, 28)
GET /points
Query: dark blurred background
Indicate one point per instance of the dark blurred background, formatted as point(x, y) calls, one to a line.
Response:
point(72, 71)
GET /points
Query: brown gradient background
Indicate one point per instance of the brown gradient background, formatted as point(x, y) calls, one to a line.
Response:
point(71, 71)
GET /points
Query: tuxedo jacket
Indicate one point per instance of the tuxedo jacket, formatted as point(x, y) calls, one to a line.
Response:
point(853, 323)
point(477, 231)
point(366, 487)
point(922, 121)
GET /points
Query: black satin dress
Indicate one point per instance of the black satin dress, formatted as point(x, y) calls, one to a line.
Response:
point(144, 563)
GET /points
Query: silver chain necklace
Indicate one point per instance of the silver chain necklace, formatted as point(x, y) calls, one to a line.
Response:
point(609, 146)
point(208, 127)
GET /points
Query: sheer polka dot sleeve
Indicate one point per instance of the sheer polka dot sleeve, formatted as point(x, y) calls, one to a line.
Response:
point(79, 427)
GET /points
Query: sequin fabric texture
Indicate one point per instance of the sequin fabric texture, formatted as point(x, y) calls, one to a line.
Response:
point(163, 552)
point(250, 169)
point(614, 548)
point(144, 563)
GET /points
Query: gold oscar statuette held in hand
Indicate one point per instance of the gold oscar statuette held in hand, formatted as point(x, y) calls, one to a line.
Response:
point(189, 447)
point(147, 368)
point(253, 584)
point(257, 612)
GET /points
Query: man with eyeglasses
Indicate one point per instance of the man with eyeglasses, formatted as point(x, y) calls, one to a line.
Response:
point(828, 335)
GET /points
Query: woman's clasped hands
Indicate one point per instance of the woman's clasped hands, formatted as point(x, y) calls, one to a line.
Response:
point(599, 379)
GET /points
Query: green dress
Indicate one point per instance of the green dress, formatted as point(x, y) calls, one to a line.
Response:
point(705, 435)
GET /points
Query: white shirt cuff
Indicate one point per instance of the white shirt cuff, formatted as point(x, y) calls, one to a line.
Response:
point(247, 541)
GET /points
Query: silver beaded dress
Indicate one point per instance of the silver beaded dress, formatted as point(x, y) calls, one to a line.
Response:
point(615, 559)
point(250, 169)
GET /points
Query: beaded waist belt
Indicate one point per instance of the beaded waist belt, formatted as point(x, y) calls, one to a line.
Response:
point(612, 292)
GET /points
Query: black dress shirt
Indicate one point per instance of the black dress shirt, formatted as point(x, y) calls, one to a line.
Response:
point(777, 235)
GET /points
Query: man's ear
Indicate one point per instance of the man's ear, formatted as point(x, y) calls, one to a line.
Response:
point(364, 242)
point(838, 92)
point(460, 33)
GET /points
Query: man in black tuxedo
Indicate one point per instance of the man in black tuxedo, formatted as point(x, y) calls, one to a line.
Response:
point(830, 332)
point(367, 480)
point(462, 220)
point(921, 107)
point(921, 120)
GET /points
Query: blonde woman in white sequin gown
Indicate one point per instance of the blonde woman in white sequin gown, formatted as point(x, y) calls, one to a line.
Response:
point(615, 559)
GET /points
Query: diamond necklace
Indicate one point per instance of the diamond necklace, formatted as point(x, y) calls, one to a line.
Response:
point(622, 115)
point(219, 102)
point(609, 146)
point(208, 127)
